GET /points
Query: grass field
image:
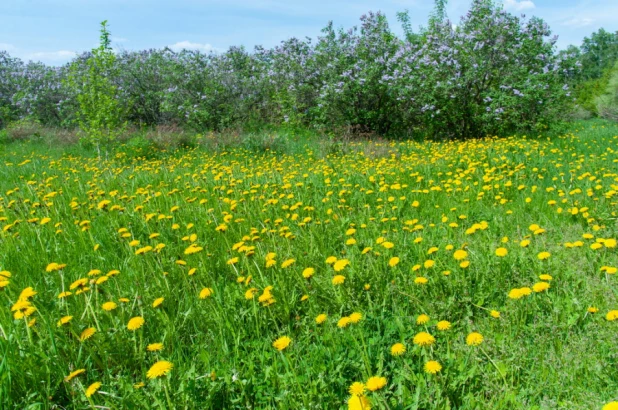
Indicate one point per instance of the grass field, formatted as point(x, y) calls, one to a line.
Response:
point(403, 275)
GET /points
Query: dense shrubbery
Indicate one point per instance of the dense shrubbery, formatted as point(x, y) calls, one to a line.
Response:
point(492, 73)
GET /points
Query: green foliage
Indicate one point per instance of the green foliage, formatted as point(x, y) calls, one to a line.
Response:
point(607, 102)
point(100, 115)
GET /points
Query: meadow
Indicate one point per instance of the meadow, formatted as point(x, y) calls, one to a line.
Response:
point(381, 275)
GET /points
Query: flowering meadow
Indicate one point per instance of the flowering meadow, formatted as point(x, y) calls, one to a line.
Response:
point(390, 275)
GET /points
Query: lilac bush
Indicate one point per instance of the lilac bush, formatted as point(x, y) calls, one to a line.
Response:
point(492, 73)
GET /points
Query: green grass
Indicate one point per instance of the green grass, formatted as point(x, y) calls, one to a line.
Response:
point(545, 351)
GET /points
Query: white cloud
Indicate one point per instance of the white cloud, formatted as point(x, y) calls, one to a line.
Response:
point(187, 45)
point(51, 56)
point(518, 5)
point(578, 22)
point(119, 39)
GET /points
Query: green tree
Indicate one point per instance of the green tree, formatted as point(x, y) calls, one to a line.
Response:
point(101, 115)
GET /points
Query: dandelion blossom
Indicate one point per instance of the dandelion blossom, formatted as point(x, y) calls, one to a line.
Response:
point(87, 334)
point(375, 383)
point(612, 315)
point(422, 319)
point(355, 317)
point(474, 339)
point(92, 389)
point(423, 339)
point(398, 349)
point(338, 279)
point(282, 343)
point(432, 367)
point(74, 374)
point(321, 318)
point(501, 252)
point(206, 292)
point(540, 287)
point(357, 389)
point(543, 255)
point(135, 323)
point(155, 347)
point(443, 325)
point(358, 403)
point(160, 368)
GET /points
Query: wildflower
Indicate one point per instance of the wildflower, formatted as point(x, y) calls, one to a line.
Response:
point(460, 255)
point(592, 309)
point(393, 261)
point(612, 315)
point(74, 374)
point(87, 334)
point(64, 320)
point(424, 339)
point(420, 280)
point(160, 368)
point(543, 255)
point(495, 314)
point(375, 383)
point(443, 325)
point(356, 317)
point(357, 389)
point(135, 323)
point(282, 343)
point(422, 319)
point(321, 318)
point(501, 252)
point(429, 264)
point(343, 322)
point(398, 349)
point(612, 405)
point(540, 287)
point(155, 347)
point(358, 403)
point(308, 272)
point(474, 339)
point(206, 292)
point(432, 367)
point(338, 279)
point(545, 277)
point(157, 302)
point(92, 389)
point(340, 264)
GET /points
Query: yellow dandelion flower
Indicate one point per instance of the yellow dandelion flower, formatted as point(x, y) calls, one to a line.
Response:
point(495, 314)
point(421, 280)
point(398, 349)
point(343, 322)
point(460, 255)
point(501, 252)
point(206, 292)
point(474, 339)
point(358, 403)
point(135, 323)
point(155, 347)
point(357, 389)
point(92, 389)
point(540, 287)
point(282, 343)
point(308, 272)
point(443, 325)
point(157, 302)
point(612, 315)
point(287, 263)
point(432, 367)
point(423, 339)
point(422, 319)
point(394, 261)
point(160, 368)
point(356, 317)
point(338, 279)
point(321, 318)
point(340, 265)
point(612, 405)
point(64, 320)
point(74, 374)
point(543, 255)
point(375, 383)
point(87, 334)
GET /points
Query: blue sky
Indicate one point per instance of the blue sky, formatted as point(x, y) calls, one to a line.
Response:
point(53, 30)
